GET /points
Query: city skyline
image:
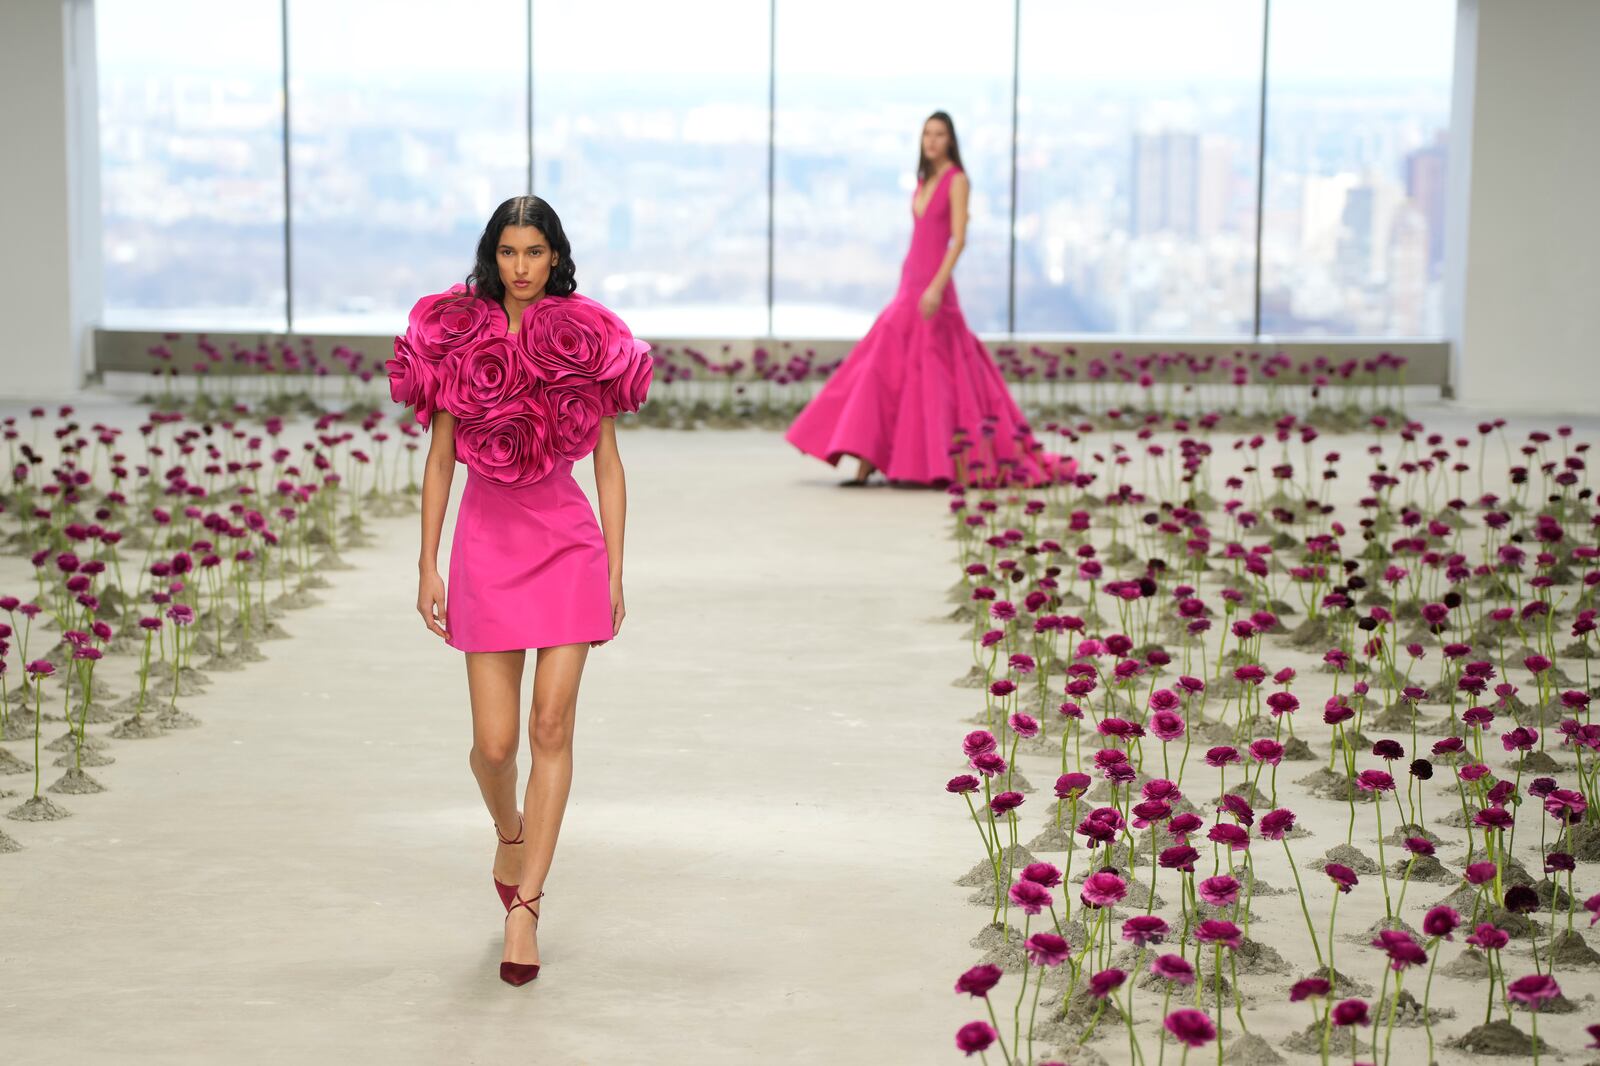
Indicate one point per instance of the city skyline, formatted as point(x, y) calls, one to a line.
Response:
point(1135, 209)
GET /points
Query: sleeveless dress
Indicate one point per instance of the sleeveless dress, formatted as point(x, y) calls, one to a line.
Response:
point(528, 562)
point(916, 394)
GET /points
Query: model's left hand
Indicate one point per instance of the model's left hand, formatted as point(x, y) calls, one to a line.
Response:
point(618, 611)
point(932, 297)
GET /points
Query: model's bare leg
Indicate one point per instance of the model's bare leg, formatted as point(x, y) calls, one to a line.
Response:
point(863, 469)
point(556, 675)
point(494, 683)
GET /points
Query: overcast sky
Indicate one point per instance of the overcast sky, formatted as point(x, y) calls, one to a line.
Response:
point(1349, 41)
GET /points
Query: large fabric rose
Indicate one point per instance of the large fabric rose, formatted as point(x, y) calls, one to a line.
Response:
point(575, 410)
point(573, 336)
point(510, 445)
point(626, 391)
point(488, 372)
point(441, 323)
point(413, 381)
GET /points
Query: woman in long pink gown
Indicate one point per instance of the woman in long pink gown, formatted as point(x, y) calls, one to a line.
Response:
point(919, 397)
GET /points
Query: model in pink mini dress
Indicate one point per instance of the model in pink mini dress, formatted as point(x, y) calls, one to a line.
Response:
point(518, 376)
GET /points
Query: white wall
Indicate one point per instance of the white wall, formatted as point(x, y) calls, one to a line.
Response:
point(1523, 303)
point(48, 199)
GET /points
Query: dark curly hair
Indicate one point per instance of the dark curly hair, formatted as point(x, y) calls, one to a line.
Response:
point(484, 280)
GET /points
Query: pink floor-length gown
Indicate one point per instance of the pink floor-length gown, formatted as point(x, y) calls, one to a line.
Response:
point(906, 387)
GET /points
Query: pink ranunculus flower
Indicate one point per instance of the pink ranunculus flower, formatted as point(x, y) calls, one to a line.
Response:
point(575, 410)
point(627, 391)
point(573, 336)
point(509, 446)
point(485, 374)
point(444, 322)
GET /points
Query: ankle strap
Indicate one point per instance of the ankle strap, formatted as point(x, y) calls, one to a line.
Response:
point(524, 903)
point(503, 840)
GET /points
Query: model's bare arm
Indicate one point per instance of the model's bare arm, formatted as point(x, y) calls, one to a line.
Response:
point(438, 471)
point(613, 492)
point(959, 188)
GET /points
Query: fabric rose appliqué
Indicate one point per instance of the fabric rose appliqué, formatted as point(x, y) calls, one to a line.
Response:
point(573, 336)
point(510, 445)
point(486, 373)
point(440, 324)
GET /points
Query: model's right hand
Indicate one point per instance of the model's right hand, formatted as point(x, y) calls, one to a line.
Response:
point(430, 604)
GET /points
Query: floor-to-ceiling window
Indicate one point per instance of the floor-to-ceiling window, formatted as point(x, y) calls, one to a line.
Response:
point(725, 164)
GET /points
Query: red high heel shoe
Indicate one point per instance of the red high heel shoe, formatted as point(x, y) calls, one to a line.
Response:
point(507, 891)
point(520, 973)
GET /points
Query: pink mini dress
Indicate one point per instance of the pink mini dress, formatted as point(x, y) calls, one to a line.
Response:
point(528, 563)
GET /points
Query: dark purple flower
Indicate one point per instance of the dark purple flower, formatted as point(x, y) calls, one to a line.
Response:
point(1351, 1012)
point(1308, 987)
point(1173, 968)
point(963, 783)
point(975, 1037)
point(1275, 823)
point(1190, 1027)
point(1047, 949)
point(1144, 929)
point(978, 980)
point(1533, 991)
point(1219, 931)
point(1441, 921)
point(1106, 982)
point(1342, 876)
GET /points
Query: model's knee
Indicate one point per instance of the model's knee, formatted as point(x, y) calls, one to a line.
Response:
point(550, 733)
point(495, 755)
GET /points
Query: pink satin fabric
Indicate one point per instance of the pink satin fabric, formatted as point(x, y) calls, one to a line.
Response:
point(899, 395)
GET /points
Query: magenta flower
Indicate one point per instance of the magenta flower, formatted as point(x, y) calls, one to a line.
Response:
point(1221, 756)
point(1219, 931)
point(1042, 873)
point(1006, 802)
point(1235, 837)
point(989, 764)
point(1351, 1012)
point(1308, 987)
point(1533, 991)
point(1375, 781)
point(1073, 784)
point(1190, 1027)
point(1144, 929)
point(1401, 949)
point(1592, 905)
point(1106, 982)
point(975, 1037)
point(1173, 968)
point(1219, 891)
point(1047, 949)
point(978, 980)
point(1342, 876)
point(962, 783)
point(1103, 889)
point(977, 742)
point(1184, 824)
point(1275, 823)
point(1519, 739)
point(1031, 896)
point(1566, 805)
point(1166, 726)
point(1266, 750)
point(1182, 857)
point(1480, 873)
point(1489, 938)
